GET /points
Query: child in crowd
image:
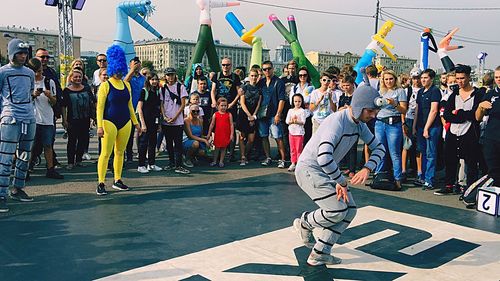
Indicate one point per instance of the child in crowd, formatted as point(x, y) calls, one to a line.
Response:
point(194, 98)
point(322, 101)
point(250, 101)
point(205, 102)
point(296, 118)
point(222, 122)
point(347, 85)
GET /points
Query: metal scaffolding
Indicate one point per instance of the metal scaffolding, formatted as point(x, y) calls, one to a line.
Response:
point(65, 38)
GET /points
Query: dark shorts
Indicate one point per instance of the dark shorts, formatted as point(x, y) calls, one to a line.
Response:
point(44, 134)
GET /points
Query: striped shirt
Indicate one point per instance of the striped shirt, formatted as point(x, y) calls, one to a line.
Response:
point(336, 135)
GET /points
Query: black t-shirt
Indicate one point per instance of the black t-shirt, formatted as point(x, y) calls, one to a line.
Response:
point(205, 101)
point(226, 86)
point(151, 104)
point(344, 100)
point(79, 103)
point(493, 127)
point(424, 101)
point(252, 94)
point(290, 82)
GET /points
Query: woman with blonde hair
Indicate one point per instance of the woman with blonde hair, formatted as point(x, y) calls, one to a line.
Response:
point(390, 122)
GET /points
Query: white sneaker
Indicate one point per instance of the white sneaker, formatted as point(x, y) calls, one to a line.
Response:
point(188, 163)
point(154, 168)
point(315, 259)
point(281, 164)
point(86, 156)
point(142, 170)
point(292, 167)
point(306, 235)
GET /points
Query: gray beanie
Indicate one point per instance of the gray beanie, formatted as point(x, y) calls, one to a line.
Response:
point(363, 97)
point(16, 46)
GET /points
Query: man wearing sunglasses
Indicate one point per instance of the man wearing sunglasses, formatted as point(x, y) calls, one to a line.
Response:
point(102, 63)
point(17, 122)
point(270, 113)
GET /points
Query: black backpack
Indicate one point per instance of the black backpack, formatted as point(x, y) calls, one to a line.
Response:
point(470, 194)
point(383, 181)
point(176, 98)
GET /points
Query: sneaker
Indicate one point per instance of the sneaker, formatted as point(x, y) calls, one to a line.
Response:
point(53, 174)
point(119, 185)
point(266, 162)
point(281, 164)
point(169, 167)
point(447, 190)
point(404, 177)
point(86, 156)
point(154, 168)
point(101, 189)
point(459, 189)
point(79, 164)
point(70, 167)
point(182, 170)
point(3, 205)
point(427, 186)
point(142, 170)
point(315, 259)
point(419, 182)
point(213, 164)
point(292, 167)
point(188, 163)
point(20, 195)
point(305, 234)
point(243, 162)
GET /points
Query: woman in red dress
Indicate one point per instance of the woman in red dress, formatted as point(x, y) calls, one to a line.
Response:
point(222, 121)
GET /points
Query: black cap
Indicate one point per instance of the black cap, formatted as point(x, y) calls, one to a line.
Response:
point(170, 70)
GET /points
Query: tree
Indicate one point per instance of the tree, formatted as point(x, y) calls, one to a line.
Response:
point(148, 64)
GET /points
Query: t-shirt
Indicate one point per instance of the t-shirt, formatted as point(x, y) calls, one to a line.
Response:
point(151, 105)
point(44, 113)
point(412, 103)
point(96, 81)
point(136, 85)
point(323, 109)
point(305, 92)
point(344, 100)
point(296, 129)
point(79, 103)
point(226, 86)
point(170, 106)
point(252, 95)
point(205, 100)
point(272, 94)
point(493, 127)
point(424, 100)
point(17, 85)
point(399, 95)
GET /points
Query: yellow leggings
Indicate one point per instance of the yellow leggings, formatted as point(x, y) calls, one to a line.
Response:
point(118, 138)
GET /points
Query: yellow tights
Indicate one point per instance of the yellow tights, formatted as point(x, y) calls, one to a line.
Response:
point(118, 139)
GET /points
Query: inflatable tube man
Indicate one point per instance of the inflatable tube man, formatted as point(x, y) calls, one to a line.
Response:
point(371, 50)
point(205, 42)
point(298, 53)
point(138, 11)
point(248, 37)
point(425, 47)
point(444, 47)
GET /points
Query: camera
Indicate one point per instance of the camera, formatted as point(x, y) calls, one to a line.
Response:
point(454, 87)
point(136, 59)
point(381, 102)
point(39, 90)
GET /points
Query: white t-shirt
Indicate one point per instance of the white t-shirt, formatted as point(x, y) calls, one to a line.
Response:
point(296, 129)
point(44, 113)
point(323, 109)
point(96, 81)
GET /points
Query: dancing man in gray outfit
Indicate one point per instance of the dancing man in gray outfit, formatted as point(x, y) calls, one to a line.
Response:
point(318, 174)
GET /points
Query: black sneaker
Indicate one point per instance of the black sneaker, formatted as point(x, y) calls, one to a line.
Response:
point(53, 174)
point(418, 182)
point(20, 195)
point(101, 189)
point(119, 185)
point(447, 190)
point(459, 189)
point(3, 205)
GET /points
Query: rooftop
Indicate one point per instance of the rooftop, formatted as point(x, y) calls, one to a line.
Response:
point(34, 30)
point(177, 40)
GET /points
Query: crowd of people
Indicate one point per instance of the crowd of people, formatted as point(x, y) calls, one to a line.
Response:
point(200, 121)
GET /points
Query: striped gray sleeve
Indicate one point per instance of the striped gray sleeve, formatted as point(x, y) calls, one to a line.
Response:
point(376, 148)
point(325, 155)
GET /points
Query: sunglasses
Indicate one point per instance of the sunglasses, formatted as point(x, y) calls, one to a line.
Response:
point(267, 69)
point(103, 60)
point(326, 80)
point(44, 57)
point(302, 75)
point(195, 111)
point(226, 64)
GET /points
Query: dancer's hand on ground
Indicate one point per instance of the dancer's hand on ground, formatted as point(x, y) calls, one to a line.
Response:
point(342, 193)
point(100, 132)
point(361, 176)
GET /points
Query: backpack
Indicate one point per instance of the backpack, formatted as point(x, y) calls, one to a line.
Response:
point(470, 194)
point(174, 97)
point(383, 181)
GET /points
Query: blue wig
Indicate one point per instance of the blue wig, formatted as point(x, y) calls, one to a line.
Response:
point(117, 64)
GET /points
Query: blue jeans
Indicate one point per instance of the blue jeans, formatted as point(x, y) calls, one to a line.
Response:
point(16, 139)
point(428, 148)
point(391, 136)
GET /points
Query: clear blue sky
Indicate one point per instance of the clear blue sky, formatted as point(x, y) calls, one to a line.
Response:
point(324, 32)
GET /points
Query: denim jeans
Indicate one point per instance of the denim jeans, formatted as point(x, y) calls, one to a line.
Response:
point(16, 139)
point(391, 136)
point(428, 148)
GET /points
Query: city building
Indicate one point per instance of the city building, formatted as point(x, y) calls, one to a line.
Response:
point(37, 38)
point(323, 60)
point(177, 53)
point(282, 55)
